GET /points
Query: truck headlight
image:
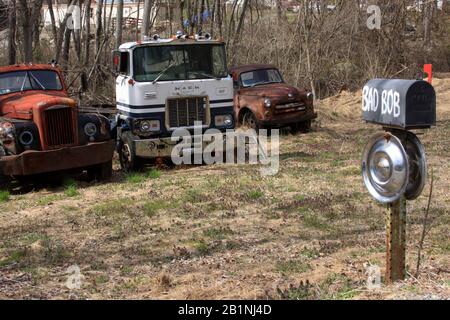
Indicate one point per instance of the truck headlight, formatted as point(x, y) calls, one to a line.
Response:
point(90, 129)
point(147, 126)
point(26, 138)
point(224, 120)
point(310, 96)
point(267, 103)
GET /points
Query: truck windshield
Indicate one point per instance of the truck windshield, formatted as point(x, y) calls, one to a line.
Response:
point(18, 81)
point(179, 62)
point(260, 77)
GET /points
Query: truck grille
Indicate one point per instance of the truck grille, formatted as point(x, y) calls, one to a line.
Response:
point(59, 127)
point(290, 107)
point(183, 112)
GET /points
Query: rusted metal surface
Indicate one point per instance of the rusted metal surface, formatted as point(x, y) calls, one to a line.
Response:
point(32, 104)
point(289, 104)
point(56, 118)
point(35, 162)
point(396, 241)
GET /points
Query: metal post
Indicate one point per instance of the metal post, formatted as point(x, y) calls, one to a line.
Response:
point(396, 241)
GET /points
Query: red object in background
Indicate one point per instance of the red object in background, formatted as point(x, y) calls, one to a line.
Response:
point(428, 69)
point(116, 60)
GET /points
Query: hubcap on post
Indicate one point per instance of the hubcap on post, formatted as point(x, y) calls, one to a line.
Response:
point(385, 168)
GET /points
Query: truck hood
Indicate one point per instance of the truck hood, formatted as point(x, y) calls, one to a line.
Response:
point(279, 91)
point(23, 105)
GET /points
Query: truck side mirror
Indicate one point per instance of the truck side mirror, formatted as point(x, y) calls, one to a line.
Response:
point(120, 62)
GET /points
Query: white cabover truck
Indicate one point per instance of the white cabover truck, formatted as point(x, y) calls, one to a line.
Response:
point(168, 84)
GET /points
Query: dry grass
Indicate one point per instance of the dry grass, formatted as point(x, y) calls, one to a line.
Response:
point(227, 232)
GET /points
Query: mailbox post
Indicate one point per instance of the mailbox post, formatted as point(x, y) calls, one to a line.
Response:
point(394, 165)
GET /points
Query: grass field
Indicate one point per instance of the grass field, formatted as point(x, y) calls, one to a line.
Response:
point(225, 231)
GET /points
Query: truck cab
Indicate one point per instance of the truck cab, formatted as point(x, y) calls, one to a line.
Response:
point(41, 129)
point(169, 84)
point(264, 100)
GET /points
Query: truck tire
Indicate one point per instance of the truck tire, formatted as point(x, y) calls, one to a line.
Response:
point(129, 162)
point(249, 121)
point(303, 127)
point(100, 172)
point(5, 182)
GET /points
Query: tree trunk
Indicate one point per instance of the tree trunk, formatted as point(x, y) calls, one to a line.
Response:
point(169, 16)
point(27, 31)
point(66, 50)
point(87, 34)
point(62, 29)
point(98, 27)
point(137, 19)
point(239, 28)
point(220, 18)
point(427, 20)
point(87, 44)
point(148, 4)
point(12, 33)
point(307, 38)
point(77, 37)
point(52, 18)
point(201, 10)
point(181, 12)
point(37, 29)
point(119, 23)
point(213, 17)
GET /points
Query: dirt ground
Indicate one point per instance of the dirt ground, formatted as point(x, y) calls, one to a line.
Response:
point(226, 231)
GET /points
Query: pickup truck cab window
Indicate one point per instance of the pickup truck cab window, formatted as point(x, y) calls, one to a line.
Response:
point(260, 77)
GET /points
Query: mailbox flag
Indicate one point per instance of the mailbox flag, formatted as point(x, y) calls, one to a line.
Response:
point(428, 69)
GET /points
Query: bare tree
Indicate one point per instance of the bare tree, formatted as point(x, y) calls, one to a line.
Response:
point(119, 23)
point(87, 44)
point(99, 28)
point(12, 32)
point(146, 22)
point(239, 28)
point(137, 20)
point(29, 17)
point(53, 20)
point(181, 13)
point(427, 21)
point(61, 32)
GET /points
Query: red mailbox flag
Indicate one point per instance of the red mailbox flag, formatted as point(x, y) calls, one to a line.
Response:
point(428, 69)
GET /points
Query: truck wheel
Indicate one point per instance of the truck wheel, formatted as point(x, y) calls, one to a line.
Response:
point(303, 127)
point(127, 154)
point(5, 182)
point(249, 121)
point(100, 172)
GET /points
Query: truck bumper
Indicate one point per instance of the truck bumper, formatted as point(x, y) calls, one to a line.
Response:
point(163, 147)
point(36, 162)
point(286, 119)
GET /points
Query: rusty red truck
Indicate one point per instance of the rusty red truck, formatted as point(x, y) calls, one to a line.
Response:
point(262, 99)
point(41, 129)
